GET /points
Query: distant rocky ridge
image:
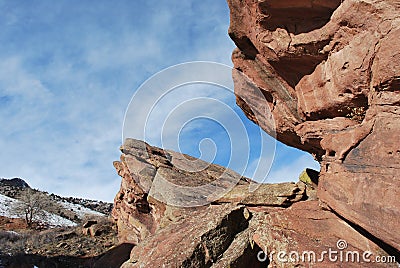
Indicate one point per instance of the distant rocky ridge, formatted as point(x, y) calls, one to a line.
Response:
point(232, 230)
point(14, 182)
point(95, 205)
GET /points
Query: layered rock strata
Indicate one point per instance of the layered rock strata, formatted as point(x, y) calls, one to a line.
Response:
point(329, 72)
point(141, 208)
point(239, 229)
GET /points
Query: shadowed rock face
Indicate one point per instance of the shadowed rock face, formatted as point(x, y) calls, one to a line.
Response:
point(329, 70)
point(228, 232)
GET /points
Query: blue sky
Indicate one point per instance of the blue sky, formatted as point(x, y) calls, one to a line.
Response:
point(68, 70)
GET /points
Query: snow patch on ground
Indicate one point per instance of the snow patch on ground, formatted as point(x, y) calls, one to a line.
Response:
point(80, 210)
point(13, 233)
point(55, 220)
point(7, 203)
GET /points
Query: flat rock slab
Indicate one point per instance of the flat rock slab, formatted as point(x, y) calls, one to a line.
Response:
point(279, 194)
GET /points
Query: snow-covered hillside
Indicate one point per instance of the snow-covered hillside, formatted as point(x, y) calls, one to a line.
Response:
point(7, 203)
point(6, 210)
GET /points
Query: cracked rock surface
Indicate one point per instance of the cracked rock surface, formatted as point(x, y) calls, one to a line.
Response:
point(140, 207)
point(329, 72)
point(232, 230)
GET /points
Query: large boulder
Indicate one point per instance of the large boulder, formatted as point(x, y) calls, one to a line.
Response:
point(146, 203)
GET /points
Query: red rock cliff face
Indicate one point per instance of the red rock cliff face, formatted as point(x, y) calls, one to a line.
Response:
point(329, 71)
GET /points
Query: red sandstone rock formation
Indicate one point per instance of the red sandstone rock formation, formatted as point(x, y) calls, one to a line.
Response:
point(329, 70)
point(139, 210)
point(232, 230)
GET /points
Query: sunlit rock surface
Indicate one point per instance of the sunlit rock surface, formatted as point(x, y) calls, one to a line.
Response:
point(232, 230)
point(329, 71)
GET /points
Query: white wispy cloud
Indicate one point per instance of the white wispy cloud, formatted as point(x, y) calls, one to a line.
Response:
point(68, 70)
